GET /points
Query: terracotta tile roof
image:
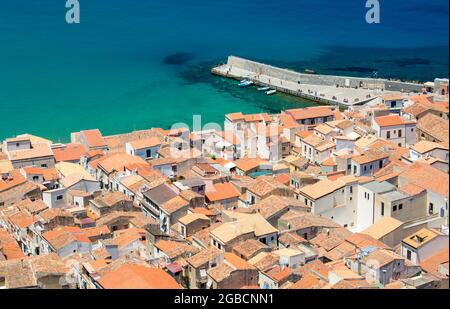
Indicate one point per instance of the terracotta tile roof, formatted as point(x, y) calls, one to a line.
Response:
point(287, 122)
point(311, 112)
point(427, 177)
point(52, 213)
point(322, 188)
point(291, 239)
point(15, 178)
point(235, 116)
point(283, 178)
point(9, 248)
point(247, 164)
point(362, 241)
point(171, 248)
point(278, 273)
point(434, 126)
point(257, 117)
point(130, 276)
point(32, 207)
point(249, 247)
point(416, 109)
point(379, 258)
point(96, 231)
point(37, 151)
point(265, 260)
point(242, 224)
point(303, 134)
point(432, 263)
point(125, 237)
point(24, 273)
point(21, 219)
point(266, 185)
point(204, 256)
point(191, 217)
point(370, 155)
point(94, 138)
point(383, 227)
point(118, 161)
point(421, 237)
point(323, 129)
point(145, 143)
point(391, 120)
point(59, 238)
point(308, 281)
point(174, 205)
point(222, 191)
point(236, 262)
point(411, 189)
point(221, 272)
point(70, 152)
point(274, 204)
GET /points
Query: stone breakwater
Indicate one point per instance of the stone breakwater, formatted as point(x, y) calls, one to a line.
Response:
point(328, 89)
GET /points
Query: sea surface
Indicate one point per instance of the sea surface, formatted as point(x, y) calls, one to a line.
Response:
point(136, 64)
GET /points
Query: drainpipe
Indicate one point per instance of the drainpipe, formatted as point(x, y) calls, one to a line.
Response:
point(383, 277)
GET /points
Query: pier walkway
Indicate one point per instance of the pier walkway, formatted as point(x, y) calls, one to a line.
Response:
point(332, 90)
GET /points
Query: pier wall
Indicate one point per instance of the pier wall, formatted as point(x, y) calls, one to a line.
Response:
point(325, 80)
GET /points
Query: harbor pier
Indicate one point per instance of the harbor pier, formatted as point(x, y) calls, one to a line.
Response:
point(326, 89)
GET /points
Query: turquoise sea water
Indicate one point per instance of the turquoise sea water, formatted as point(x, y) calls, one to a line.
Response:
point(116, 70)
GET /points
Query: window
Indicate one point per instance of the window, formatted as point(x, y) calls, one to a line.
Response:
point(349, 167)
point(388, 134)
point(59, 197)
point(431, 209)
point(399, 133)
point(400, 206)
point(306, 201)
point(394, 208)
point(382, 209)
point(351, 189)
point(148, 153)
point(412, 129)
point(365, 168)
point(408, 254)
point(380, 164)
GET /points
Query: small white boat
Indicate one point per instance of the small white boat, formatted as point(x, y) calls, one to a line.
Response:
point(263, 88)
point(245, 83)
point(270, 92)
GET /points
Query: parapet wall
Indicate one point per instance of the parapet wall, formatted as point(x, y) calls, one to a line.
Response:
point(326, 80)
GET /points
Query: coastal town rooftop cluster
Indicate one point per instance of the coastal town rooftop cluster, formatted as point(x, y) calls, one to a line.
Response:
point(310, 198)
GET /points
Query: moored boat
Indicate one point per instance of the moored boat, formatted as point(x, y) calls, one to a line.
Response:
point(245, 83)
point(263, 88)
point(270, 92)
